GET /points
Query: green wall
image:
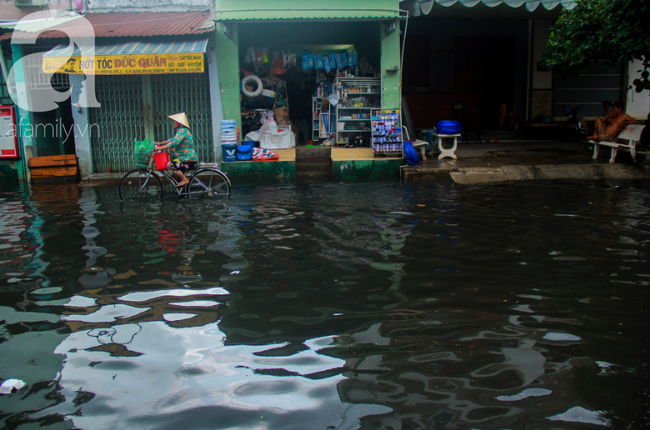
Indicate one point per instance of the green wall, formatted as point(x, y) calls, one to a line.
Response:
point(9, 170)
point(390, 66)
point(305, 9)
point(366, 169)
point(227, 47)
point(250, 172)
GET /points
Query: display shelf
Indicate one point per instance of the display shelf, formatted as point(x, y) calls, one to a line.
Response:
point(321, 121)
point(357, 98)
point(387, 133)
point(316, 105)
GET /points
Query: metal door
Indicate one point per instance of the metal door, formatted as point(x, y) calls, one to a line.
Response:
point(118, 123)
point(121, 120)
point(189, 93)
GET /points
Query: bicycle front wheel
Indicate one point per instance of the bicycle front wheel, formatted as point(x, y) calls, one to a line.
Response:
point(209, 183)
point(140, 184)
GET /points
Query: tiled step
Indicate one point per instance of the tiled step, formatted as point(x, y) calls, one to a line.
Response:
point(313, 164)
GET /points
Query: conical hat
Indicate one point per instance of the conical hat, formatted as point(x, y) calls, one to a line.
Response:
point(181, 118)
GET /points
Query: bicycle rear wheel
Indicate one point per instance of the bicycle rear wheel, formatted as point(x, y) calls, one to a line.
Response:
point(140, 184)
point(209, 183)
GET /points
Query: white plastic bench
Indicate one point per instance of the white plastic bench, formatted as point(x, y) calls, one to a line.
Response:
point(447, 152)
point(631, 133)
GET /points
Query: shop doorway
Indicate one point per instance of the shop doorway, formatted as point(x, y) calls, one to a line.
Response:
point(485, 75)
point(305, 88)
point(301, 89)
point(53, 131)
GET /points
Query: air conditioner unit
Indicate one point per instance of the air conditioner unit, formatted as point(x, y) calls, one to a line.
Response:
point(29, 3)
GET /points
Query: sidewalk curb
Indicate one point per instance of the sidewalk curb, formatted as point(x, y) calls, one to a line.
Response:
point(482, 175)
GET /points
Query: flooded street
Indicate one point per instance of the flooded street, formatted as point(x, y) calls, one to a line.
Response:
point(328, 306)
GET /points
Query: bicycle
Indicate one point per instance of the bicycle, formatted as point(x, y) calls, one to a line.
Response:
point(577, 129)
point(204, 180)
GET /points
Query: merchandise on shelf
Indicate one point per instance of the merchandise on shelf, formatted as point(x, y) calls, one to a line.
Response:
point(357, 97)
point(386, 132)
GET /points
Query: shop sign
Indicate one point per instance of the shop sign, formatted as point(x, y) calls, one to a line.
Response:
point(134, 64)
point(8, 135)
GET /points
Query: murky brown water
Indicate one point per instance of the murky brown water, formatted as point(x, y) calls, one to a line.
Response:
point(330, 306)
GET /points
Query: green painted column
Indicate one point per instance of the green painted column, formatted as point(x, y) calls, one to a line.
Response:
point(23, 117)
point(227, 47)
point(390, 64)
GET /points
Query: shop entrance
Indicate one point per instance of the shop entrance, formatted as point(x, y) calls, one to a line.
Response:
point(293, 94)
point(485, 76)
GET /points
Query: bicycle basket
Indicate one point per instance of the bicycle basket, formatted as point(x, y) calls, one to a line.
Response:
point(142, 152)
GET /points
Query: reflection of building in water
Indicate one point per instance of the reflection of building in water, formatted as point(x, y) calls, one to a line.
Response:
point(312, 271)
point(430, 375)
point(30, 328)
point(174, 243)
point(21, 264)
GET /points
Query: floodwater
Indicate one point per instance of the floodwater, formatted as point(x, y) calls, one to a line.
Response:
point(328, 306)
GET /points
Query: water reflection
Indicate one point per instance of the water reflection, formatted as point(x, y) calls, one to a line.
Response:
point(337, 305)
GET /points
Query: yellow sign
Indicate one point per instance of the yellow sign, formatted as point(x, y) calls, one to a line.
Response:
point(136, 64)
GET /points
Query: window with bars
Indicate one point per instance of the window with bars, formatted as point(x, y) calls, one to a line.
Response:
point(35, 77)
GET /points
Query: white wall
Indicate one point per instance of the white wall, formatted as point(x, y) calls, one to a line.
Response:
point(10, 12)
point(638, 104)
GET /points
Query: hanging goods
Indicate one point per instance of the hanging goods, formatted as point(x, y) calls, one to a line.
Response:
point(278, 68)
point(250, 79)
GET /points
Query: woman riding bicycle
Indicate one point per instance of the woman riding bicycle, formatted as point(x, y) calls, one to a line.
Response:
point(182, 153)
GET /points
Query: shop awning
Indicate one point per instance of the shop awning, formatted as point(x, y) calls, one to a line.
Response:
point(265, 10)
point(531, 5)
point(130, 58)
point(425, 7)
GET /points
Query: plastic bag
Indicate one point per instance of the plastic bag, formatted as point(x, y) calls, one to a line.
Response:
point(244, 152)
point(142, 152)
point(410, 154)
point(11, 385)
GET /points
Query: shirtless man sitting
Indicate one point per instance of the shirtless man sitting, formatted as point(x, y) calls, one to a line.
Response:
point(608, 127)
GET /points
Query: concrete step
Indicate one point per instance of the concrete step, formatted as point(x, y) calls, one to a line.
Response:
point(322, 152)
point(313, 164)
point(312, 177)
point(482, 175)
point(316, 163)
point(311, 171)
